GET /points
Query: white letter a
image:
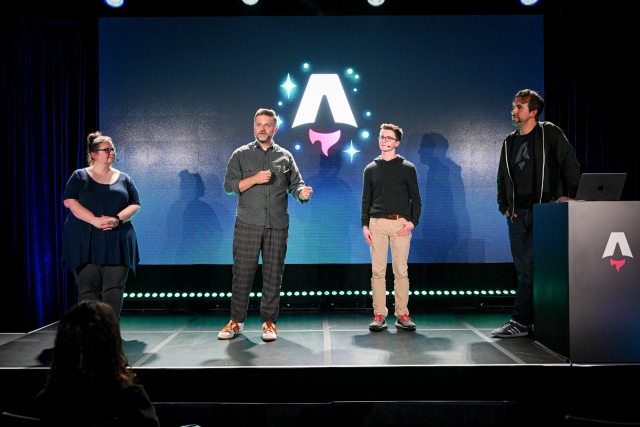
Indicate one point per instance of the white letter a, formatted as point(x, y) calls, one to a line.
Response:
point(617, 238)
point(318, 86)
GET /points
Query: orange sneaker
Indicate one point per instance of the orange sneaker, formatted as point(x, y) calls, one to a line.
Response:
point(269, 331)
point(230, 330)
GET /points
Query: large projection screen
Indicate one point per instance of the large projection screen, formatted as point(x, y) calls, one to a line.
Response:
point(178, 95)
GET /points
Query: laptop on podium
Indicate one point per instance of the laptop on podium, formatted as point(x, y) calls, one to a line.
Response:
point(600, 186)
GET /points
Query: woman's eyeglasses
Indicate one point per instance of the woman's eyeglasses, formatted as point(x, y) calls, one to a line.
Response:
point(106, 150)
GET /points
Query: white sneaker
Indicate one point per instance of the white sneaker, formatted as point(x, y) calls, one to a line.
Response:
point(230, 330)
point(269, 331)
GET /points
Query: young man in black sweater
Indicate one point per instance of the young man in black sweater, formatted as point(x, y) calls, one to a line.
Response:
point(391, 207)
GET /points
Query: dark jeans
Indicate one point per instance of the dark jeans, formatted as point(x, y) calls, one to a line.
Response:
point(521, 239)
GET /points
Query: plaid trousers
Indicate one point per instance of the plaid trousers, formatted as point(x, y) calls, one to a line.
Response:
point(248, 242)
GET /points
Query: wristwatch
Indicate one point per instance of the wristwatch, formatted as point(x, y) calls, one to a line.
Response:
point(119, 221)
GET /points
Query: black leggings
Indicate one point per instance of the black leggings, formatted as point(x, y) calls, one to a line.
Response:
point(103, 283)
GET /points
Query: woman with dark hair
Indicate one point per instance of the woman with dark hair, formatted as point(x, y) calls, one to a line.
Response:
point(90, 381)
point(100, 244)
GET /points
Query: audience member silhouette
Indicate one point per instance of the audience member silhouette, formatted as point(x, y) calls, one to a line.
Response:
point(90, 381)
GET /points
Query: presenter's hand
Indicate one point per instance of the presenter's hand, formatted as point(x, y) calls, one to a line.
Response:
point(565, 199)
point(408, 226)
point(367, 235)
point(305, 193)
point(106, 223)
point(262, 177)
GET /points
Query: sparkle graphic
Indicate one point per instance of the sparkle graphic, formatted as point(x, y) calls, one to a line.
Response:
point(288, 85)
point(351, 151)
point(278, 121)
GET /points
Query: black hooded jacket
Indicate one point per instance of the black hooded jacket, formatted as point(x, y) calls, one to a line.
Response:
point(555, 161)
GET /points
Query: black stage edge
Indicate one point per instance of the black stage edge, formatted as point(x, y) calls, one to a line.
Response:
point(504, 395)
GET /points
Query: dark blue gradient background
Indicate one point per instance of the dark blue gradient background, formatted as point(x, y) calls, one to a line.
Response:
point(178, 95)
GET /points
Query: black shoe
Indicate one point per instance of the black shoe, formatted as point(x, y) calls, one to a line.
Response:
point(511, 329)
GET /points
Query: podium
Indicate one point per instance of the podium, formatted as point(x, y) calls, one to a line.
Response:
point(586, 280)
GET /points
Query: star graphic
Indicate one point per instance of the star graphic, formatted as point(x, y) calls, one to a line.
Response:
point(351, 151)
point(288, 85)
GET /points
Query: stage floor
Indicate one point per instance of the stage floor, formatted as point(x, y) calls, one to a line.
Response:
point(329, 366)
point(339, 338)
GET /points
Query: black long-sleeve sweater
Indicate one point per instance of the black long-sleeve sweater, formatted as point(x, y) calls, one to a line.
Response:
point(391, 187)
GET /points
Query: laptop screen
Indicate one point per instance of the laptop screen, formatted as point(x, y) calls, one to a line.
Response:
point(600, 186)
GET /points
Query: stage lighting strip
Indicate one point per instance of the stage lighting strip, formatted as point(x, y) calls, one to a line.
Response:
point(314, 293)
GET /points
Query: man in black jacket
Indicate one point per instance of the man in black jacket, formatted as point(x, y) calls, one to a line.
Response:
point(535, 160)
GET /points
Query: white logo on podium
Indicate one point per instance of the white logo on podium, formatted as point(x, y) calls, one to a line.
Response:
point(617, 238)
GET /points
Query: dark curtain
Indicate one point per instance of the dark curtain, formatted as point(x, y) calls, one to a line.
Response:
point(49, 103)
point(590, 93)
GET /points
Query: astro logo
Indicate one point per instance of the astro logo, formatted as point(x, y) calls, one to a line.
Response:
point(617, 239)
point(328, 85)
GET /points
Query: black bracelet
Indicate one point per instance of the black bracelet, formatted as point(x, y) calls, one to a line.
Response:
point(119, 220)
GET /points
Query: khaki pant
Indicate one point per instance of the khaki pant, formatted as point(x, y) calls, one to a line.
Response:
point(383, 232)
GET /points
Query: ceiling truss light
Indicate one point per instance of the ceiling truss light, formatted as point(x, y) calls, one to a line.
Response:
point(114, 3)
point(375, 2)
point(249, 2)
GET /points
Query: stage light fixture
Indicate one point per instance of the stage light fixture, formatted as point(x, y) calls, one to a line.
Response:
point(529, 2)
point(114, 3)
point(336, 293)
point(249, 2)
point(375, 2)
